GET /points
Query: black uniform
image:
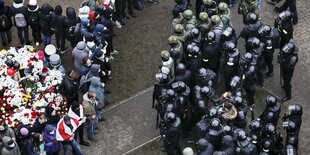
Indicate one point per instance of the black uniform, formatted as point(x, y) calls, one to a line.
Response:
point(287, 58)
point(256, 47)
point(251, 27)
point(291, 4)
point(231, 63)
point(211, 52)
point(209, 9)
point(244, 146)
point(204, 147)
point(285, 27)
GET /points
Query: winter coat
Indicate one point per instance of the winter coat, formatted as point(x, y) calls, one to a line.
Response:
point(94, 71)
point(7, 150)
point(70, 22)
point(16, 10)
point(6, 132)
point(70, 89)
point(37, 126)
point(84, 26)
point(45, 19)
point(95, 86)
point(31, 151)
point(58, 21)
point(20, 139)
point(89, 106)
point(49, 145)
point(51, 119)
point(105, 67)
point(33, 14)
point(79, 53)
point(5, 11)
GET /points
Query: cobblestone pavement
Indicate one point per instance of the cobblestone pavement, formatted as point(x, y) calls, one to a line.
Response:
point(132, 123)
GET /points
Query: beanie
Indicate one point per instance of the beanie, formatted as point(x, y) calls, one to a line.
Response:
point(24, 131)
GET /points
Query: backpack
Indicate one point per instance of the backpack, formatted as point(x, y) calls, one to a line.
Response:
point(20, 20)
point(84, 83)
point(5, 22)
point(33, 18)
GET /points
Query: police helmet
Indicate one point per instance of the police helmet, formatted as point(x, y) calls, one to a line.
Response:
point(241, 135)
point(237, 101)
point(188, 14)
point(286, 15)
point(264, 31)
point(223, 6)
point(288, 48)
point(176, 12)
point(235, 81)
point(203, 16)
point(255, 125)
point(207, 91)
point(270, 129)
point(253, 42)
point(180, 68)
point(210, 37)
point(251, 18)
point(215, 19)
point(165, 55)
point(247, 57)
point(207, 2)
point(271, 100)
point(227, 130)
point(229, 46)
point(215, 123)
point(202, 143)
point(295, 109)
point(194, 32)
point(161, 78)
point(289, 126)
point(178, 28)
point(171, 94)
point(213, 112)
point(170, 117)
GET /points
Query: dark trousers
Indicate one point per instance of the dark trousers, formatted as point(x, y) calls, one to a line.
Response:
point(23, 35)
point(54, 153)
point(120, 6)
point(36, 34)
point(73, 42)
point(259, 73)
point(60, 40)
point(80, 132)
point(287, 75)
point(130, 6)
point(172, 148)
point(268, 57)
point(250, 92)
point(197, 7)
point(6, 37)
point(291, 4)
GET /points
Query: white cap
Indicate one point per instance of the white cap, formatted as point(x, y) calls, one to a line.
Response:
point(33, 2)
point(84, 12)
point(50, 49)
point(188, 151)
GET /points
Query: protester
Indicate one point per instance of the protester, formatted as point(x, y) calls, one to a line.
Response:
point(89, 104)
point(58, 27)
point(10, 147)
point(5, 27)
point(51, 145)
point(35, 145)
point(34, 21)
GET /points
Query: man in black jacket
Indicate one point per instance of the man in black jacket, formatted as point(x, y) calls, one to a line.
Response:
point(70, 89)
point(33, 20)
point(70, 24)
point(58, 26)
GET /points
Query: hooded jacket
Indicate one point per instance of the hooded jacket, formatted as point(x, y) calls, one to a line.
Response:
point(95, 86)
point(89, 106)
point(5, 10)
point(9, 150)
point(9, 132)
point(49, 146)
point(45, 19)
point(94, 71)
point(37, 126)
point(58, 21)
point(69, 89)
point(78, 54)
point(71, 21)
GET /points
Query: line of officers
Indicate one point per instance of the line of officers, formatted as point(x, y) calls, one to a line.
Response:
point(202, 51)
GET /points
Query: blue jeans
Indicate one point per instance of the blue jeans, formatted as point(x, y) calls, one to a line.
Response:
point(47, 40)
point(91, 125)
point(75, 147)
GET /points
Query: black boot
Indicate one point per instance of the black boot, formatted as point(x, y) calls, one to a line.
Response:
point(286, 98)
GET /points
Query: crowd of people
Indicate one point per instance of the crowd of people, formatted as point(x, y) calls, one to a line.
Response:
point(90, 34)
point(202, 52)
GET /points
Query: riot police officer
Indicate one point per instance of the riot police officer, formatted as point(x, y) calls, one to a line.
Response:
point(228, 145)
point(270, 133)
point(291, 145)
point(287, 58)
point(205, 147)
point(176, 50)
point(209, 6)
point(251, 27)
point(224, 13)
point(242, 110)
point(247, 71)
point(205, 77)
point(193, 37)
point(214, 133)
point(170, 131)
point(284, 25)
point(244, 146)
point(270, 38)
point(271, 112)
point(182, 4)
point(162, 82)
point(255, 131)
point(204, 24)
point(246, 7)
point(294, 114)
point(229, 34)
point(291, 4)
point(193, 58)
point(231, 62)
point(183, 74)
point(211, 52)
point(191, 21)
point(256, 47)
